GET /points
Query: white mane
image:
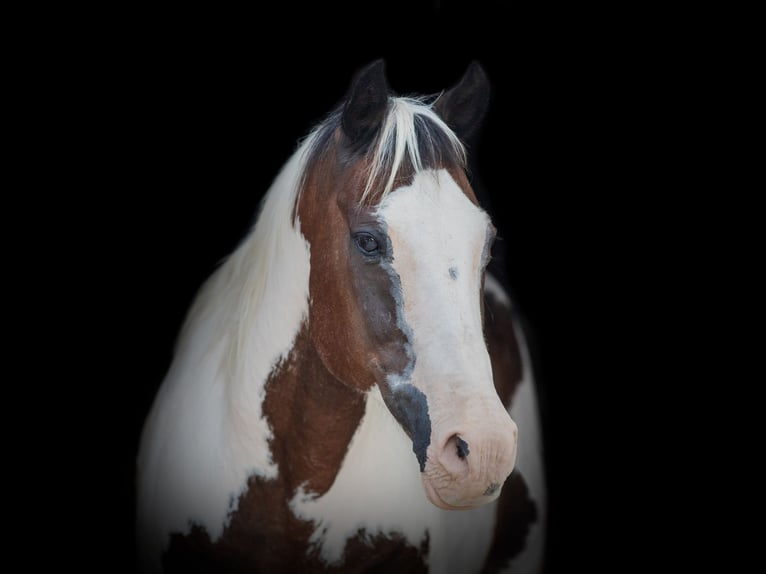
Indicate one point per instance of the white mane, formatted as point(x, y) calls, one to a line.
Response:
point(206, 434)
point(402, 135)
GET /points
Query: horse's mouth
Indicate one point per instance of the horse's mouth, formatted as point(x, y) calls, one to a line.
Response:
point(435, 498)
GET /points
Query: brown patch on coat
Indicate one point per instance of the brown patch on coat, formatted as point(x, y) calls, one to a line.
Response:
point(195, 554)
point(516, 512)
point(352, 316)
point(503, 348)
point(313, 417)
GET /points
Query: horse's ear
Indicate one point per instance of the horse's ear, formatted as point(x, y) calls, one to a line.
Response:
point(366, 103)
point(463, 106)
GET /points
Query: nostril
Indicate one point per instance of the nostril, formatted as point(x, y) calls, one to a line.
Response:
point(453, 458)
point(462, 447)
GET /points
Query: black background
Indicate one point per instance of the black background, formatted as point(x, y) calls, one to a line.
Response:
point(187, 118)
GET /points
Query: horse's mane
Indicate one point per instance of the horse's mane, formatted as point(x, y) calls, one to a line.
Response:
point(412, 137)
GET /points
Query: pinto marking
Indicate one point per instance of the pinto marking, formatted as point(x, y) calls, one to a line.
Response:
point(205, 434)
point(332, 399)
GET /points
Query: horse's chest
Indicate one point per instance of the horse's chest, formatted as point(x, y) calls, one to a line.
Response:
point(374, 516)
point(377, 499)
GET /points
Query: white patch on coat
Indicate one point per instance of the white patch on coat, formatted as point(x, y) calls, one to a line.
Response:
point(529, 459)
point(379, 490)
point(205, 434)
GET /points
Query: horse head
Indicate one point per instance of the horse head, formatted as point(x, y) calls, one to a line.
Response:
point(398, 249)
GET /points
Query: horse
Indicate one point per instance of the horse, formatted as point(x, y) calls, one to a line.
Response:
point(351, 390)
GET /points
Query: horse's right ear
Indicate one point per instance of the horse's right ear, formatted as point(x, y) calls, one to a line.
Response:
point(366, 104)
point(463, 106)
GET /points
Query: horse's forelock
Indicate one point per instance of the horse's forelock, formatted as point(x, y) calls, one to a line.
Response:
point(411, 138)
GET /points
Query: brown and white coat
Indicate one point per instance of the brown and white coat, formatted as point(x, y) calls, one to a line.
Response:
point(340, 394)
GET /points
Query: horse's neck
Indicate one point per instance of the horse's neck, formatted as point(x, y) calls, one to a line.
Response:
point(313, 417)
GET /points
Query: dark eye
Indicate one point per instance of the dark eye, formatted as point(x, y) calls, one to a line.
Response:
point(367, 243)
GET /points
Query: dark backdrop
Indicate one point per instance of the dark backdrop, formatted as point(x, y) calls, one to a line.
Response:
point(192, 117)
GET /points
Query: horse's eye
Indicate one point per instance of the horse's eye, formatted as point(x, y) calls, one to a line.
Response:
point(366, 243)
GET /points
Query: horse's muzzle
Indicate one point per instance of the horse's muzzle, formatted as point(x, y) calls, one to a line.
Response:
point(468, 467)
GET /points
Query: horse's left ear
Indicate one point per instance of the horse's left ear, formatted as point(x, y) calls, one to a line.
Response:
point(463, 106)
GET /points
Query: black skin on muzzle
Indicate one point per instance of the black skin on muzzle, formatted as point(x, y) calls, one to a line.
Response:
point(410, 407)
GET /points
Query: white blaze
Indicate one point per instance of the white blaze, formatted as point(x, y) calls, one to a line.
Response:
point(438, 238)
